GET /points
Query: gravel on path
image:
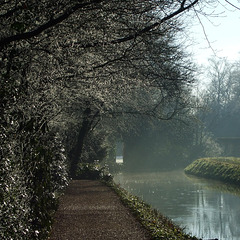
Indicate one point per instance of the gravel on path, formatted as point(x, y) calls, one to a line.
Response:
point(91, 210)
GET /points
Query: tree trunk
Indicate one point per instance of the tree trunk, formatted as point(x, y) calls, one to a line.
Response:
point(77, 150)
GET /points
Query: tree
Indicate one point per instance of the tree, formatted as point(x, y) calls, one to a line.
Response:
point(33, 21)
point(109, 76)
point(221, 98)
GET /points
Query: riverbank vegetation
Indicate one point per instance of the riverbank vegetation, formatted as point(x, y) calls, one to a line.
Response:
point(159, 226)
point(226, 169)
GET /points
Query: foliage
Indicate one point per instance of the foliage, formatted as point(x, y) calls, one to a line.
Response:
point(93, 171)
point(30, 188)
point(77, 70)
point(209, 147)
point(226, 169)
point(96, 147)
point(159, 226)
point(113, 166)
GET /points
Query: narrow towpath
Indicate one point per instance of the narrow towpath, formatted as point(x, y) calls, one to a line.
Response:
point(91, 210)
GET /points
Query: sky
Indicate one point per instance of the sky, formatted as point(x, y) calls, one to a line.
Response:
point(222, 31)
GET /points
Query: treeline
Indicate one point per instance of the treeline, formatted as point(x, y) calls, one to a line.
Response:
point(219, 100)
point(74, 74)
point(209, 126)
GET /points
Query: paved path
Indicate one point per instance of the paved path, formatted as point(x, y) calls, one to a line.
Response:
point(91, 210)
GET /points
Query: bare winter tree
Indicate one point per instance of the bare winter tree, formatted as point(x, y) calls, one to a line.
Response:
point(221, 98)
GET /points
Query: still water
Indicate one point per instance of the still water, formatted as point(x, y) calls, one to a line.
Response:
point(206, 209)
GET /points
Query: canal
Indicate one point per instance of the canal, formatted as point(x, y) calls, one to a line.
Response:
point(204, 208)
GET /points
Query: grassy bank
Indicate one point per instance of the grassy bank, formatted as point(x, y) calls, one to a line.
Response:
point(226, 169)
point(159, 226)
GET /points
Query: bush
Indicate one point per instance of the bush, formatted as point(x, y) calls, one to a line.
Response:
point(93, 171)
point(31, 182)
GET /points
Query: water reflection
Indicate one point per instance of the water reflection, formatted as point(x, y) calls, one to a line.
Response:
point(203, 207)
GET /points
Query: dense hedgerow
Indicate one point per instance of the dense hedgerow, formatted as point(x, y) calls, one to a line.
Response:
point(14, 202)
point(226, 169)
point(30, 185)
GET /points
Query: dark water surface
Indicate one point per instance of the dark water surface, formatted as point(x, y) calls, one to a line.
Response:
point(207, 209)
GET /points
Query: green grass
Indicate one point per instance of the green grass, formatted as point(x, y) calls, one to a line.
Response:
point(226, 169)
point(159, 226)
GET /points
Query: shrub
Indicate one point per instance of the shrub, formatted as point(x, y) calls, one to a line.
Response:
point(30, 184)
point(93, 171)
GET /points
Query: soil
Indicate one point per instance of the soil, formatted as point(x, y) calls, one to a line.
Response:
point(91, 210)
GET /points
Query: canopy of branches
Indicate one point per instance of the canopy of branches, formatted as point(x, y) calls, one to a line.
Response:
point(66, 66)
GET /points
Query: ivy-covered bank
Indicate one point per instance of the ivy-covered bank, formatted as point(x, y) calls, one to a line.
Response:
point(226, 169)
point(159, 226)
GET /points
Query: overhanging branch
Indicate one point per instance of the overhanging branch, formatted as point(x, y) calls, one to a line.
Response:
point(51, 23)
point(150, 27)
point(238, 8)
point(47, 25)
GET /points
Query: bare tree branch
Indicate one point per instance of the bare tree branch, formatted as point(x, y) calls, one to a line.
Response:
point(150, 27)
point(47, 25)
point(238, 8)
point(66, 14)
point(205, 33)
